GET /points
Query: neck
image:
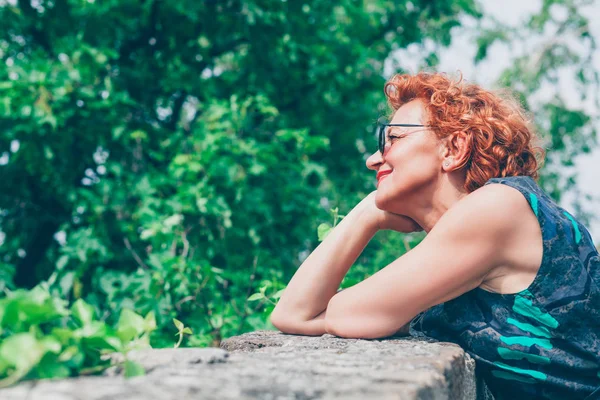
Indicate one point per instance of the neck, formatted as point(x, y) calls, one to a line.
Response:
point(440, 199)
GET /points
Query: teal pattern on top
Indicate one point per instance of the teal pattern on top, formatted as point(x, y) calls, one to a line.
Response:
point(542, 342)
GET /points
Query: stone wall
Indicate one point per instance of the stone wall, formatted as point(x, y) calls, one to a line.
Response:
point(272, 365)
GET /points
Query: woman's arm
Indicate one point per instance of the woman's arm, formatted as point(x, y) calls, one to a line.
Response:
point(477, 234)
point(302, 307)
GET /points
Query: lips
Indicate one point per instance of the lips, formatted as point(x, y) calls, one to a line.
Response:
point(383, 173)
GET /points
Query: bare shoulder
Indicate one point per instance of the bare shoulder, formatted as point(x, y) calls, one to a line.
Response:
point(498, 199)
point(497, 222)
point(490, 211)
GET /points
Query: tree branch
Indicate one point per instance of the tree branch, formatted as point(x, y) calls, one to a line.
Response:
point(134, 254)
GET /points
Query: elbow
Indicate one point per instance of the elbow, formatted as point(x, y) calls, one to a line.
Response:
point(336, 326)
point(342, 329)
point(277, 321)
point(360, 327)
point(278, 316)
point(285, 325)
point(355, 329)
point(332, 329)
point(333, 323)
point(339, 323)
point(294, 326)
point(288, 326)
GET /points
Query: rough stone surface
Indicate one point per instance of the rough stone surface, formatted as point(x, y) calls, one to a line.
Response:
point(272, 365)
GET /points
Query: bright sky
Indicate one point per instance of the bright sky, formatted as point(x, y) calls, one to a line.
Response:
point(515, 12)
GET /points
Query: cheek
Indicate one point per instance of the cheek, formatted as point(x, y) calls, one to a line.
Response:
point(416, 158)
point(414, 168)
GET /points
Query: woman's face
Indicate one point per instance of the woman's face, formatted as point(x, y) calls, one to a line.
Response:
point(413, 155)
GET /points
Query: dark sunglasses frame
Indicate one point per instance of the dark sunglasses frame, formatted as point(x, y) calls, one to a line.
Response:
point(381, 127)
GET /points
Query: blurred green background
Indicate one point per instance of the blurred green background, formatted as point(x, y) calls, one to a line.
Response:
point(177, 157)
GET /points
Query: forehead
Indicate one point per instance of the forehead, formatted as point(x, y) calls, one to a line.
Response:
point(412, 112)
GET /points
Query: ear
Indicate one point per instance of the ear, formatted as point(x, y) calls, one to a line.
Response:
point(457, 151)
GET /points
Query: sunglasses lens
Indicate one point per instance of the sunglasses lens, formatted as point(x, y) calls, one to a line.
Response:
point(381, 138)
point(381, 125)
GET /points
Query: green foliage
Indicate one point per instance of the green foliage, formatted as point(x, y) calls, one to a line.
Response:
point(171, 159)
point(324, 228)
point(40, 337)
point(486, 39)
point(181, 331)
point(183, 149)
point(567, 130)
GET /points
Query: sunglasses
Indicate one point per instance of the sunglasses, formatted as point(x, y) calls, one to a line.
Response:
point(381, 132)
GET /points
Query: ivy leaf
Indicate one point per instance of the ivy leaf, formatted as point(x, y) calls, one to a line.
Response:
point(256, 296)
point(130, 325)
point(133, 369)
point(51, 367)
point(178, 324)
point(323, 230)
point(24, 351)
point(150, 322)
point(82, 312)
point(103, 342)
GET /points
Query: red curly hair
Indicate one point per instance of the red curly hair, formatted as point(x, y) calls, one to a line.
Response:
point(498, 131)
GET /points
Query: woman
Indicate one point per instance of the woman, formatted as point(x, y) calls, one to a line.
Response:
point(503, 271)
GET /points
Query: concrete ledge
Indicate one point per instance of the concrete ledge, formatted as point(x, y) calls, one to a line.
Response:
point(272, 365)
point(331, 367)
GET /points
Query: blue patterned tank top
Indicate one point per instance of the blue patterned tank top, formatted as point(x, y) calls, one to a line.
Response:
point(544, 341)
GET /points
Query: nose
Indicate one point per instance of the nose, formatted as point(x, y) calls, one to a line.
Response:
point(374, 161)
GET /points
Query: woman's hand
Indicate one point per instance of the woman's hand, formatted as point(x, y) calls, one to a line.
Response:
point(386, 220)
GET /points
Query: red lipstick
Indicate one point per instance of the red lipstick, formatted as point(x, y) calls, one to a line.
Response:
point(382, 173)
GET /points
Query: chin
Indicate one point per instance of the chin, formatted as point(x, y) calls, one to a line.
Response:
point(390, 202)
point(383, 202)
